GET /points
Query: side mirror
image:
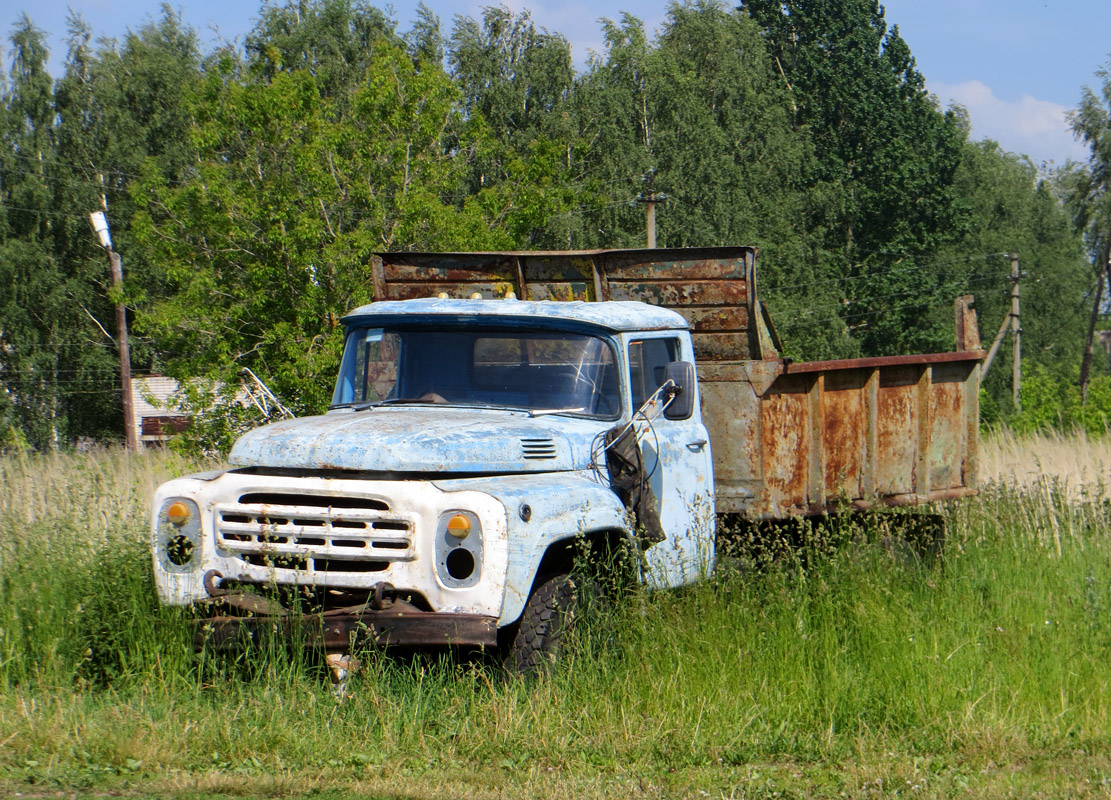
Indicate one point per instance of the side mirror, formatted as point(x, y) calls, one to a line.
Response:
point(681, 394)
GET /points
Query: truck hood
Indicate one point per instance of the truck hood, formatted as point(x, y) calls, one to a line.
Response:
point(423, 439)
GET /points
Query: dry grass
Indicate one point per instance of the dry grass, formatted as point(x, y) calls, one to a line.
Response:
point(1076, 464)
point(103, 487)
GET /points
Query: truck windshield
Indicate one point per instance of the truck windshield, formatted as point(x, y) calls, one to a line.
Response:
point(538, 371)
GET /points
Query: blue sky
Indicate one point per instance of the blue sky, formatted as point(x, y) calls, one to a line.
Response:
point(1017, 65)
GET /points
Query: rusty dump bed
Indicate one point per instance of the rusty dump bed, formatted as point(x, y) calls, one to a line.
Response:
point(787, 438)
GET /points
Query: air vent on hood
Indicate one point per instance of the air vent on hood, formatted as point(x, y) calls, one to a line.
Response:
point(538, 449)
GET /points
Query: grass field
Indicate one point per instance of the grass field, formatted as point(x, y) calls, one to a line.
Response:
point(838, 669)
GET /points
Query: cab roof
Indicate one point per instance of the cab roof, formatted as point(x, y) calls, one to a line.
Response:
point(614, 315)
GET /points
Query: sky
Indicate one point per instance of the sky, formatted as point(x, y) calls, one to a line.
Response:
point(1018, 66)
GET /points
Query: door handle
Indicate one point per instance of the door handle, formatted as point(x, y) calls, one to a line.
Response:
point(696, 445)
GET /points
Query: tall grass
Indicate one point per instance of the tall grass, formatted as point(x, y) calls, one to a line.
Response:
point(842, 667)
point(1076, 463)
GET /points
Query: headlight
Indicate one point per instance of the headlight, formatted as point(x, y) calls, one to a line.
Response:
point(459, 549)
point(179, 534)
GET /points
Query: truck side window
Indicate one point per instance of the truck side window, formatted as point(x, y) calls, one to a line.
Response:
point(647, 360)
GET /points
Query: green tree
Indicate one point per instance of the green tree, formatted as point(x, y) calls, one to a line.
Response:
point(271, 239)
point(1013, 210)
point(886, 147)
point(34, 342)
point(519, 79)
point(68, 148)
point(332, 40)
point(1087, 188)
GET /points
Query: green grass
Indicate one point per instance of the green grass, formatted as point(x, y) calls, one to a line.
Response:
point(839, 669)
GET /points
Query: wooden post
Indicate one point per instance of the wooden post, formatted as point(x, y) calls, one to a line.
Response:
point(650, 198)
point(125, 353)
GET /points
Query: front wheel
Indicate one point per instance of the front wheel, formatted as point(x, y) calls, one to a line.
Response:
point(545, 625)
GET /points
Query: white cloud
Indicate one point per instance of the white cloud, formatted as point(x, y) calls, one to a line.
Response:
point(1037, 128)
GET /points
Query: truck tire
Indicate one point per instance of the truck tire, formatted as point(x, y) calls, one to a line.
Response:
point(547, 620)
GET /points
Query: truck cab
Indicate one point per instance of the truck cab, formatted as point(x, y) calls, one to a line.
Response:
point(461, 463)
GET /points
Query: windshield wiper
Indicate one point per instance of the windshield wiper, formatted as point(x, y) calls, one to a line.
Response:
point(397, 400)
point(544, 412)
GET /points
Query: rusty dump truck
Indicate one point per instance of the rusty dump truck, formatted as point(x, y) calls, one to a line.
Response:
point(498, 413)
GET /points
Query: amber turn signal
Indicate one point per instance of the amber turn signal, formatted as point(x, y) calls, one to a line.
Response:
point(178, 513)
point(459, 526)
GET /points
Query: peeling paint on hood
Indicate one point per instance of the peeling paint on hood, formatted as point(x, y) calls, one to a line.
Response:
point(423, 439)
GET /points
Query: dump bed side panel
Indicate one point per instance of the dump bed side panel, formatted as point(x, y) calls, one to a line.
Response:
point(806, 438)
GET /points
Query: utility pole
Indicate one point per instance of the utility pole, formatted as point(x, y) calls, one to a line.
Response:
point(1012, 321)
point(650, 198)
point(100, 225)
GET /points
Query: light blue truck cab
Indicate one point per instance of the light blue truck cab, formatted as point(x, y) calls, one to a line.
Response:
point(459, 468)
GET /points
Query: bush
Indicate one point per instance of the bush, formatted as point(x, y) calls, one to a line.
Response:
point(1051, 402)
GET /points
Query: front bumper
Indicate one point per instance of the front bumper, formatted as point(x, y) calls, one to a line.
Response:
point(344, 629)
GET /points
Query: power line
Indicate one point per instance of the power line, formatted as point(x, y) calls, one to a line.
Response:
point(890, 271)
point(908, 293)
point(84, 168)
point(865, 314)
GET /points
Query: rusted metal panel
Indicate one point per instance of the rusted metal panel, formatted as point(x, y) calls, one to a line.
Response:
point(972, 427)
point(713, 286)
point(815, 458)
point(896, 429)
point(503, 271)
point(967, 329)
point(844, 429)
point(883, 361)
point(731, 409)
point(580, 290)
point(342, 630)
point(724, 372)
point(456, 289)
point(720, 346)
point(712, 320)
point(785, 443)
point(573, 269)
point(686, 293)
point(947, 429)
point(732, 269)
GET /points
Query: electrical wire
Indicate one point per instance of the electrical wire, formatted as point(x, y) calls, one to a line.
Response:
point(874, 273)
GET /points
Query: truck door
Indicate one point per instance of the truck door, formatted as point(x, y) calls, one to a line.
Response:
point(676, 455)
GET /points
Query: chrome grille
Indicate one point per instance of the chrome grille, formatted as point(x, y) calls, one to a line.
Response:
point(314, 533)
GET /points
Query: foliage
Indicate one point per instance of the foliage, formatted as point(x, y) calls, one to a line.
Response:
point(1053, 402)
point(271, 238)
point(1014, 211)
point(67, 149)
point(1089, 186)
point(883, 144)
point(249, 186)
